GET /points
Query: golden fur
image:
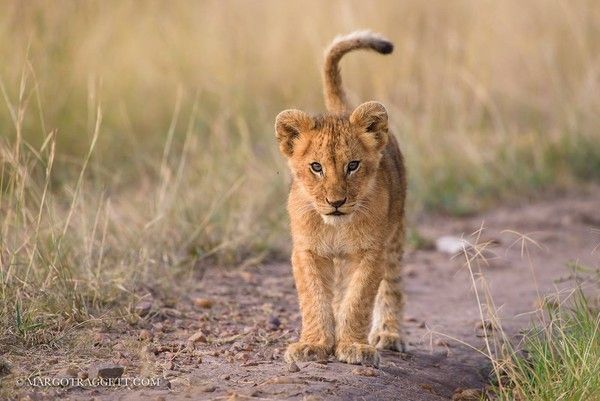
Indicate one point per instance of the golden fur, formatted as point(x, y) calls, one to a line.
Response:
point(346, 265)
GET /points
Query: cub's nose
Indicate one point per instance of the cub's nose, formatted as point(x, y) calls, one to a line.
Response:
point(336, 203)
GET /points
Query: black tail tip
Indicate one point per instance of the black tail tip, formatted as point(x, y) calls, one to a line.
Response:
point(384, 47)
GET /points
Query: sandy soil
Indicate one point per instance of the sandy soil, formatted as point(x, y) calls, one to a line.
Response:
point(247, 316)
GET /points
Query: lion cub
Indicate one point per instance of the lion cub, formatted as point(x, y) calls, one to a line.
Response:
point(346, 207)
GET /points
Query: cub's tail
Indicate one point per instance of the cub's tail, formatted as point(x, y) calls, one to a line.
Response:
point(335, 97)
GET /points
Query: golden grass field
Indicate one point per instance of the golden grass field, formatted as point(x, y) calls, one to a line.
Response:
point(137, 143)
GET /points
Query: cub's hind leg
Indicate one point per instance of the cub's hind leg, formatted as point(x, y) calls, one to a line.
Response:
point(388, 312)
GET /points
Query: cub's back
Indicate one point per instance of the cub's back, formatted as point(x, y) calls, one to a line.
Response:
point(394, 174)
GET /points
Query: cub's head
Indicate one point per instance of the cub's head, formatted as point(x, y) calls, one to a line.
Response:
point(334, 158)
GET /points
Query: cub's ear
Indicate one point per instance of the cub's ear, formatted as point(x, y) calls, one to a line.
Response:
point(289, 124)
point(372, 119)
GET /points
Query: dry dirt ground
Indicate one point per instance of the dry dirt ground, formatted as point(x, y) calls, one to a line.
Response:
point(245, 317)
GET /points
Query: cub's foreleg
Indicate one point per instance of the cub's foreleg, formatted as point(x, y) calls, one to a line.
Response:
point(354, 317)
point(314, 276)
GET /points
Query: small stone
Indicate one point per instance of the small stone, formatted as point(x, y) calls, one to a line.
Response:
point(318, 365)
point(82, 375)
point(169, 302)
point(70, 371)
point(242, 356)
point(441, 342)
point(225, 377)
point(485, 328)
point(100, 339)
point(293, 367)
point(469, 394)
point(5, 367)
point(170, 312)
point(106, 371)
point(209, 388)
point(451, 245)
point(167, 327)
point(487, 324)
point(427, 387)
point(197, 337)
point(204, 303)
point(247, 277)
point(273, 323)
point(149, 349)
point(119, 347)
point(145, 335)
point(285, 380)
point(364, 371)
point(179, 382)
point(143, 308)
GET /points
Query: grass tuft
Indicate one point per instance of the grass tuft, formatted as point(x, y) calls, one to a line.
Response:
point(559, 359)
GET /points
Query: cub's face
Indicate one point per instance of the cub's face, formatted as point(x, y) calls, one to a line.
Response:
point(334, 158)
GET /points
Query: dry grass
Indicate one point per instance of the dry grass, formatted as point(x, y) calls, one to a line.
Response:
point(137, 140)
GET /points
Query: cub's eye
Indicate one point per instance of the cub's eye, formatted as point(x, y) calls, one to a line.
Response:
point(353, 166)
point(316, 167)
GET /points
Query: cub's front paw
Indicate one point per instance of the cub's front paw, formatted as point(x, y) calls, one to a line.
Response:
point(357, 353)
point(386, 340)
point(302, 352)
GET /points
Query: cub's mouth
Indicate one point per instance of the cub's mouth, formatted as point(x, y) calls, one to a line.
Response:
point(336, 213)
point(336, 217)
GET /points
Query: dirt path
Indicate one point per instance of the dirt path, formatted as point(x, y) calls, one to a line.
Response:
point(254, 315)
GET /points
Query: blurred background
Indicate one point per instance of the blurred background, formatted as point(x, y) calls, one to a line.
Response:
point(137, 141)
